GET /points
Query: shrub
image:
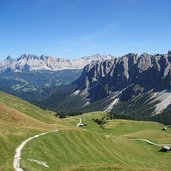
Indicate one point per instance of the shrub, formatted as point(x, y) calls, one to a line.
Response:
point(101, 121)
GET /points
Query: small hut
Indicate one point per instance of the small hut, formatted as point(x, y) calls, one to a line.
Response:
point(82, 124)
point(164, 128)
point(165, 148)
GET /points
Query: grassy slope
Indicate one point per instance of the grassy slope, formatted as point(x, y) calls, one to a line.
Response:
point(18, 121)
point(88, 148)
point(26, 108)
point(95, 148)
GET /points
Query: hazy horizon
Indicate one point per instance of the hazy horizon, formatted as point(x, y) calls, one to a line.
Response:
point(1, 59)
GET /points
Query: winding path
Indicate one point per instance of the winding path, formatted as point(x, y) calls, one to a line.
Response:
point(17, 157)
point(159, 145)
point(79, 123)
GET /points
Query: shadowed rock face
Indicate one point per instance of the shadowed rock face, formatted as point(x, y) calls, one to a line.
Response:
point(132, 73)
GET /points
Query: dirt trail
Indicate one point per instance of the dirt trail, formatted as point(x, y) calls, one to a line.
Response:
point(79, 123)
point(159, 145)
point(17, 157)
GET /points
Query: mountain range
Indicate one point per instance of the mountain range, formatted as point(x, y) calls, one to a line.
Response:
point(132, 86)
point(27, 63)
point(29, 75)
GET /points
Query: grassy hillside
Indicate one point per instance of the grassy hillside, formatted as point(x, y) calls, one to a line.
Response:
point(18, 121)
point(96, 148)
point(26, 108)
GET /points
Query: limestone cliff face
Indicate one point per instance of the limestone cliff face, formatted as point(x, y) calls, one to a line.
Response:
point(132, 73)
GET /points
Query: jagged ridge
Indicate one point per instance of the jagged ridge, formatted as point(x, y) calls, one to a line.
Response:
point(34, 63)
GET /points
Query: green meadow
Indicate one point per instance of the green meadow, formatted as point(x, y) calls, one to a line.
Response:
point(89, 148)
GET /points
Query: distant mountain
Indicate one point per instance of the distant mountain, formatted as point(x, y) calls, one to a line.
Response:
point(34, 77)
point(27, 63)
point(129, 85)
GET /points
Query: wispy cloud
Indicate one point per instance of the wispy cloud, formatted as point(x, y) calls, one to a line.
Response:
point(91, 37)
point(88, 37)
point(92, 42)
point(101, 33)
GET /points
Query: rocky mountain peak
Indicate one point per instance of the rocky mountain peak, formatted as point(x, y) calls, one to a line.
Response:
point(8, 58)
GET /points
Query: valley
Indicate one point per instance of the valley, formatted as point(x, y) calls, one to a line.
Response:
point(93, 83)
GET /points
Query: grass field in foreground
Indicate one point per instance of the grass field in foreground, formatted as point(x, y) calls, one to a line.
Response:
point(20, 120)
point(95, 148)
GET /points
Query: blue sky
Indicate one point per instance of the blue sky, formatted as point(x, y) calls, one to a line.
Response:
point(76, 28)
